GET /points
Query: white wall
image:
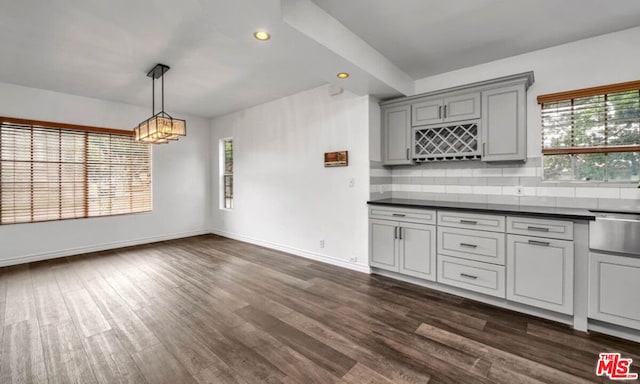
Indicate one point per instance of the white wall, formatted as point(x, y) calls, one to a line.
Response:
point(284, 197)
point(181, 182)
point(601, 60)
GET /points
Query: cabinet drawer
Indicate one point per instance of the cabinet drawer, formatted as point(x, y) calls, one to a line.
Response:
point(473, 245)
point(419, 216)
point(554, 229)
point(480, 277)
point(471, 221)
point(614, 283)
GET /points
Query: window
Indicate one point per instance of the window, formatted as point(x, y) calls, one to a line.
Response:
point(592, 134)
point(226, 161)
point(51, 171)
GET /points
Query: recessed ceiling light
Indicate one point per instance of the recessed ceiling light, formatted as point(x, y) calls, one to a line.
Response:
point(262, 35)
point(342, 75)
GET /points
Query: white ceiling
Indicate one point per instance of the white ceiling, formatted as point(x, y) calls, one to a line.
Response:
point(427, 37)
point(103, 49)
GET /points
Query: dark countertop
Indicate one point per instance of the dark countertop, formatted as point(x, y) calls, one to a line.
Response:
point(502, 209)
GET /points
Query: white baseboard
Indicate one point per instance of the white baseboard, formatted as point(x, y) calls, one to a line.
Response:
point(295, 251)
point(95, 248)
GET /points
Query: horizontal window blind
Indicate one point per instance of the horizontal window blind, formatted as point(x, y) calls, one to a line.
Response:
point(49, 173)
point(592, 134)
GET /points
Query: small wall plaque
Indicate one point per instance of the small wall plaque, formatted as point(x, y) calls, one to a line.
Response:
point(336, 159)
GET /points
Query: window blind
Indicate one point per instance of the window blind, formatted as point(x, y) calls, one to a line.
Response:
point(49, 173)
point(592, 134)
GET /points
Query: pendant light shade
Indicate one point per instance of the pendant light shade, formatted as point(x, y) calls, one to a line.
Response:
point(160, 128)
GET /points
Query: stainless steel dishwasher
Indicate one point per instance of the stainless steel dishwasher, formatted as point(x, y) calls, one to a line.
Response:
point(614, 270)
point(615, 232)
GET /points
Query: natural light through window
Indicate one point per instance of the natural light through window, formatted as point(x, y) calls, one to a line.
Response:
point(54, 174)
point(226, 173)
point(593, 136)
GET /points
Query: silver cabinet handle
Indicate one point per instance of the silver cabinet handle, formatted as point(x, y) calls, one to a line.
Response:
point(407, 153)
point(398, 214)
point(484, 148)
point(472, 222)
point(468, 276)
point(395, 232)
point(400, 233)
point(541, 243)
point(439, 111)
point(445, 111)
point(467, 245)
point(539, 229)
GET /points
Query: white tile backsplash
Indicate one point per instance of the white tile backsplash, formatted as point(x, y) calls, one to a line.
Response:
point(459, 172)
point(487, 190)
point(433, 188)
point(453, 181)
point(458, 189)
point(603, 193)
point(556, 192)
point(487, 172)
point(518, 172)
point(630, 193)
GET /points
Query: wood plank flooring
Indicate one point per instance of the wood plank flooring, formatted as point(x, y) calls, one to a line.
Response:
point(210, 310)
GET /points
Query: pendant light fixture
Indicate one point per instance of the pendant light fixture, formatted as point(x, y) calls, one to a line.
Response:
point(160, 128)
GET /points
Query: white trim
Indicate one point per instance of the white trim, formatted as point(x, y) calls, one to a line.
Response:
point(295, 251)
point(95, 248)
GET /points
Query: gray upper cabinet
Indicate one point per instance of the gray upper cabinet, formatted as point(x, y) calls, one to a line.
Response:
point(427, 112)
point(446, 110)
point(461, 107)
point(485, 120)
point(397, 135)
point(504, 124)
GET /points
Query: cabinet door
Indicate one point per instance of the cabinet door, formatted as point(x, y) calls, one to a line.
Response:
point(383, 245)
point(397, 135)
point(461, 107)
point(504, 135)
point(426, 112)
point(540, 272)
point(417, 251)
point(614, 283)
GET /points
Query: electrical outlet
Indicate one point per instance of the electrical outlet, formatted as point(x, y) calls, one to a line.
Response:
point(353, 259)
point(321, 243)
point(352, 182)
point(519, 190)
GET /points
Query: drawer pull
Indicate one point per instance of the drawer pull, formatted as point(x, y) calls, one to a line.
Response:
point(468, 276)
point(472, 222)
point(399, 214)
point(467, 245)
point(395, 232)
point(400, 233)
point(536, 242)
point(539, 229)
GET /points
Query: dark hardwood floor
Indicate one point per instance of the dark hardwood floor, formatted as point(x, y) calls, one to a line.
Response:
point(212, 310)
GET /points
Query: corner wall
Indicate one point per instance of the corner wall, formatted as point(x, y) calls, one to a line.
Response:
point(180, 182)
point(284, 197)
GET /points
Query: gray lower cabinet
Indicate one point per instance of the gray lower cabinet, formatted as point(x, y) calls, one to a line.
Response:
point(396, 135)
point(504, 124)
point(408, 248)
point(417, 249)
point(614, 282)
point(383, 248)
point(540, 272)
